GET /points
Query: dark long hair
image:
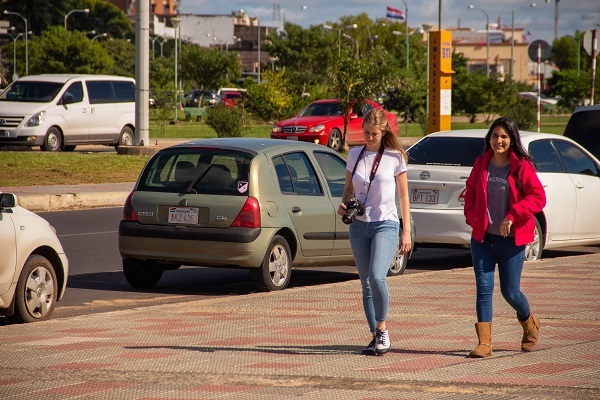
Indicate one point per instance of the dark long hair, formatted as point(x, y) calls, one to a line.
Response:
point(515, 138)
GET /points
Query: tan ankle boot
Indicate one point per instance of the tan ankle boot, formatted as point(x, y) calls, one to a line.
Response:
point(484, 333)
point(531, 329)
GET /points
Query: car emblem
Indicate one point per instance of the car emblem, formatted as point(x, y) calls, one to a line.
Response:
point(2, 121)
point(424, 175)
point(294, 129)
point(221, 218)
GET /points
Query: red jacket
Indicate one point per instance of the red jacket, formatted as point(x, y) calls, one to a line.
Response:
point(525, 201)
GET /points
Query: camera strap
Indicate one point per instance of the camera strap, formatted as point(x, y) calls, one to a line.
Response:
point(374, 167)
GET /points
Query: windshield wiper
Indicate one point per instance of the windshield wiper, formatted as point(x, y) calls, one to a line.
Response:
point(197, 179)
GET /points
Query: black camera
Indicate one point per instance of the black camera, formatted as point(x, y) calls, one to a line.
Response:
point(353, 208)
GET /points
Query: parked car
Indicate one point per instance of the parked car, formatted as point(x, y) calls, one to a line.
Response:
point(192, 98)
point(33, 265)
point(322, 122)
point(232, 98)
point(569, 173)
point(584, 128)
point(266, 205)
point(59, 111)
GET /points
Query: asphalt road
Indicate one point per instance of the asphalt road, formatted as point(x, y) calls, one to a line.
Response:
point(96, 282)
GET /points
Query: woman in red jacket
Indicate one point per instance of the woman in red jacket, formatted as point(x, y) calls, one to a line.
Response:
point(503, 193)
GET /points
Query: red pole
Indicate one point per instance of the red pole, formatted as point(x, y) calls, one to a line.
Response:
point(539, 84)
point(594, 53)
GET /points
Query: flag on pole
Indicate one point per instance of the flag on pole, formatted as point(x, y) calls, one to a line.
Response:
point(395, 13)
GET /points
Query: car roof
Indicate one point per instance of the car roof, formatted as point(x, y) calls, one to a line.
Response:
point(252, 145)
point(62, 78)
point(525, 135)
point(593, 107)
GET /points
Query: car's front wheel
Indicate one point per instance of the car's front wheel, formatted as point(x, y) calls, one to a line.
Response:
point(276, 269)
point(37, 290)
point(399, 262)
point(335, 140)
point(142, 274)
point(53, 140)
point(533, 251)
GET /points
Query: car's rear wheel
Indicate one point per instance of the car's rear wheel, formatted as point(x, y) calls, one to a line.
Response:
point(142, 274)
point(335, 140)
point(126, 137)
point(533, 251)
point(276, 269)
point(37, 290)
point(399, 262)
point(53, 140)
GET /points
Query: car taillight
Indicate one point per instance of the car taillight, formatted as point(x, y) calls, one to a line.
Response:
point(128, 211)
point(249, 215)
point(461, 198)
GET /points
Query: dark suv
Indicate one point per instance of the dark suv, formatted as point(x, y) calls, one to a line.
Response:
point(584, 128)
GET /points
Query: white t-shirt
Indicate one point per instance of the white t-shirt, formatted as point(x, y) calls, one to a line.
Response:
point(380, 204)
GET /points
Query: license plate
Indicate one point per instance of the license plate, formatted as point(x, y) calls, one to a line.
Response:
point(183, 215)
point(292, 138)
point(427, 196)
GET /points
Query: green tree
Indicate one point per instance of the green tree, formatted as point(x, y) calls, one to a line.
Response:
point(304, 53)
point(104, 17)
point(162, 89)
point(58, 51)
point(355, 79)
point(40, 14)
point(571, 86)
point(208, 68)
point(122, 53)
point(565, 52)
point(271, 99)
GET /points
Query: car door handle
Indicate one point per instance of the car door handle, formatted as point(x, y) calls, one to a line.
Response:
point(579, 186)
point(84, 110)
point(296, 209)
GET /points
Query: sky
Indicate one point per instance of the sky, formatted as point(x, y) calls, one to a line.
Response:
point(539, 21)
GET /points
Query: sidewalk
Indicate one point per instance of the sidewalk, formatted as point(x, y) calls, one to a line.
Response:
point(305, 342)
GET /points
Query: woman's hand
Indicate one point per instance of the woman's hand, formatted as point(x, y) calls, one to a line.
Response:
point(341, 209)
point(505, 227)
point(405, 242)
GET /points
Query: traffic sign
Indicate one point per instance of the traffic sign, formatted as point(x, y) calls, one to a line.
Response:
point(532, 50)
point(587, 41)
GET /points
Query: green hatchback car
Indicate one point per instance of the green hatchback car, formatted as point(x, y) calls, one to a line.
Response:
point(263, 204)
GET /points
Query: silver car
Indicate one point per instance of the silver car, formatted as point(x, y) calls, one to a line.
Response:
point(33, 265)
point(440, 163)
point(262, 204)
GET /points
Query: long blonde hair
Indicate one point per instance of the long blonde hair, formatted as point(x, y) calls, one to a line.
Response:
point(377, 118)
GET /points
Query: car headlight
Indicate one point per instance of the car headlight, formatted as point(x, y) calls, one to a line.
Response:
point(36, 119)
point(277, 129)
point(317, 128)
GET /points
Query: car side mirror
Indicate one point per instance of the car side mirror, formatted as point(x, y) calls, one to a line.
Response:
point(8, 200)
point(68, 98)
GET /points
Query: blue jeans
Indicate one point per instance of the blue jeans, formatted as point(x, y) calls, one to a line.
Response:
point(510, 259)
point(374, 246)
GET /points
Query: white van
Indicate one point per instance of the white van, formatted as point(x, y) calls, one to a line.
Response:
point(59, 111)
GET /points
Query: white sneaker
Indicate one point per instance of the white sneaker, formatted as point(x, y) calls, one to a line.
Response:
point(383, 342)
point(370, 349)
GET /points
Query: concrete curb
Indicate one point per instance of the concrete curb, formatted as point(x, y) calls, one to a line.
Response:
point(53, 202)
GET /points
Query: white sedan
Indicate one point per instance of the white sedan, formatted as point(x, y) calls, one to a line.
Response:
point(440, 163)
point(33, 264)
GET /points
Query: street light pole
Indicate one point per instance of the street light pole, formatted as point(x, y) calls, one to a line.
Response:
point(427, 28)
point(487, 37)
point(258, 67)
point(175, 21)
point(6, 12)
point(330, 28)
point(406, 30)
point(86, 10)
point(512, 38)
point(15, 38)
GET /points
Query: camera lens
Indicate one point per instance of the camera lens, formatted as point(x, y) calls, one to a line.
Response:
point(348, 217)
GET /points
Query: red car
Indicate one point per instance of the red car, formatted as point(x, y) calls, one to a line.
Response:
point(322, 122)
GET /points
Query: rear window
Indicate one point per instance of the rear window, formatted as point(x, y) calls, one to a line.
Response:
point(584, 128)
point(455, 151)
point(201, 171)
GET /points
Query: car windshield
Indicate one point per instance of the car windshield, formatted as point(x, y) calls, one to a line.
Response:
point(31, 92)
point(201, 171)
point(322, 109)
point(444, 150)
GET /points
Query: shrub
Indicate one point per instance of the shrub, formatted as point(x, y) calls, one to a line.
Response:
point(524, 113)
point(227, 122)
